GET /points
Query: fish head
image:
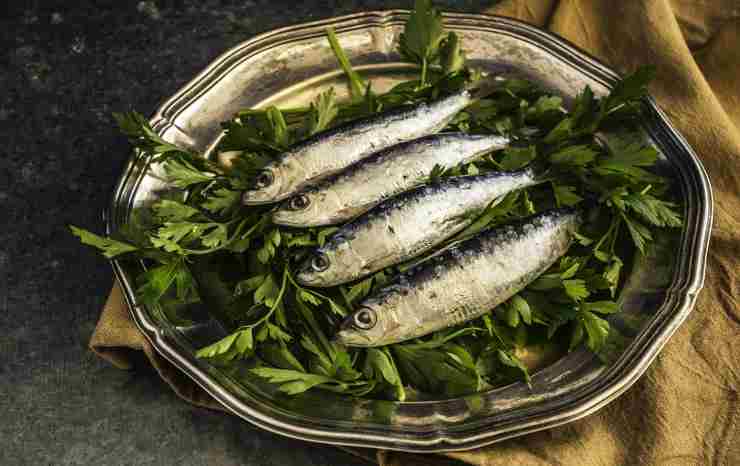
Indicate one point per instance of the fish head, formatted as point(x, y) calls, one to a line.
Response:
point(367, 326)
point(270, 185)
point(330, 265)
point(302, 209)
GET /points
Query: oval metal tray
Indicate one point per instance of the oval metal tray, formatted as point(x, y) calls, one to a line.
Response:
point(287, 67)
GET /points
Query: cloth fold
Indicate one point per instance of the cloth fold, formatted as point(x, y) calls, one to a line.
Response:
point(686, 409)
point(116, 337)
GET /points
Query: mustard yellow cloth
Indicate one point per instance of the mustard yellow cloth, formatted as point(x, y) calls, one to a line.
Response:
point(686, 409)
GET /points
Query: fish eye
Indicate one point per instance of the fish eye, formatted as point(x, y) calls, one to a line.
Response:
point(319, 262)
point(299, 202)
point(264, 179)
point(365, 319)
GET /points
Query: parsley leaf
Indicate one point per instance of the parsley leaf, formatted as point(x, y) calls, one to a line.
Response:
point(216, 236)
point(576, 289)
point(323, 233)
point(108, 247)
point(451, 55)
point(359, 290)
point(221, 200)
point(574, 155)
point(437, 173)
point(156, 281)
point(544, 105)
point(577, 334)
point(601, 307)
point(517, 309)
point(291, 382)
point(518, 157)
point(585, 111)
point(141, 135)
point(436, 371)
point(629, 88)
point(508, 358)
point(238, 344)
point(611, 273)
point(323, 111)
point(250, 284)
point(269, 247)
point(565, 195)
point(173, 211)
point(626, 161)
point(278, 129)
point(183, 174)
point(379, 365)
point(597, 329)
point(640, 233)
point(656, 211)
point(499, 208)
point(243, 133)
point(561, 131)
point(421, 37)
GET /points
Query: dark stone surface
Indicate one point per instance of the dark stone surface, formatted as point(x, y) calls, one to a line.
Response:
point(64, 67)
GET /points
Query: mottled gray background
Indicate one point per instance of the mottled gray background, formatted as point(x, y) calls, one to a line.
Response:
point(64, 67)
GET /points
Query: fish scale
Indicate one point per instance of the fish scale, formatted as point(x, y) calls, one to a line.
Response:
point(464, 281)
point(408, 225)
point(382, 175)
point(329, 152)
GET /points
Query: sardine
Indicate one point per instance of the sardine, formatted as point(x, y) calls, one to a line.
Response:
point(381, 176)
point(407, 225)
point(333, 150)
point(463, 283)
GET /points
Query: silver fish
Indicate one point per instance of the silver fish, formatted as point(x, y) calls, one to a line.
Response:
point(463, 283)
point(381, 176)
point(407, 225)
point(333, 150)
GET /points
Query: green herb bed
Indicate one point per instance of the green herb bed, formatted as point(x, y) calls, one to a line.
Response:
point(202, 244)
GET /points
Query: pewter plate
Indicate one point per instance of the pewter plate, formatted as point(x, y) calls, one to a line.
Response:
point(288, 67)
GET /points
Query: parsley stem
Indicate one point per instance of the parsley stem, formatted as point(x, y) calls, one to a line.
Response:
point(355, 81)
point(274, 306)
point(618, 223)
point(345, 295)
point(612, 226)
point(232, 239)
point(315, 293)
point(309, 318)
point(423, 79)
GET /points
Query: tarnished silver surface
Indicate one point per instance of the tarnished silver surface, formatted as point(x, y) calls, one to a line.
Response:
point(288, 67)
point(463, 282)
point(406, 226)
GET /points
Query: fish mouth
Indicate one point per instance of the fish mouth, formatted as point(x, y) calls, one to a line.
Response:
point(311, 271)
point(268, 188)
point(307, 276)
point(351, 337)
point(287, 218)
point(259, 197)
